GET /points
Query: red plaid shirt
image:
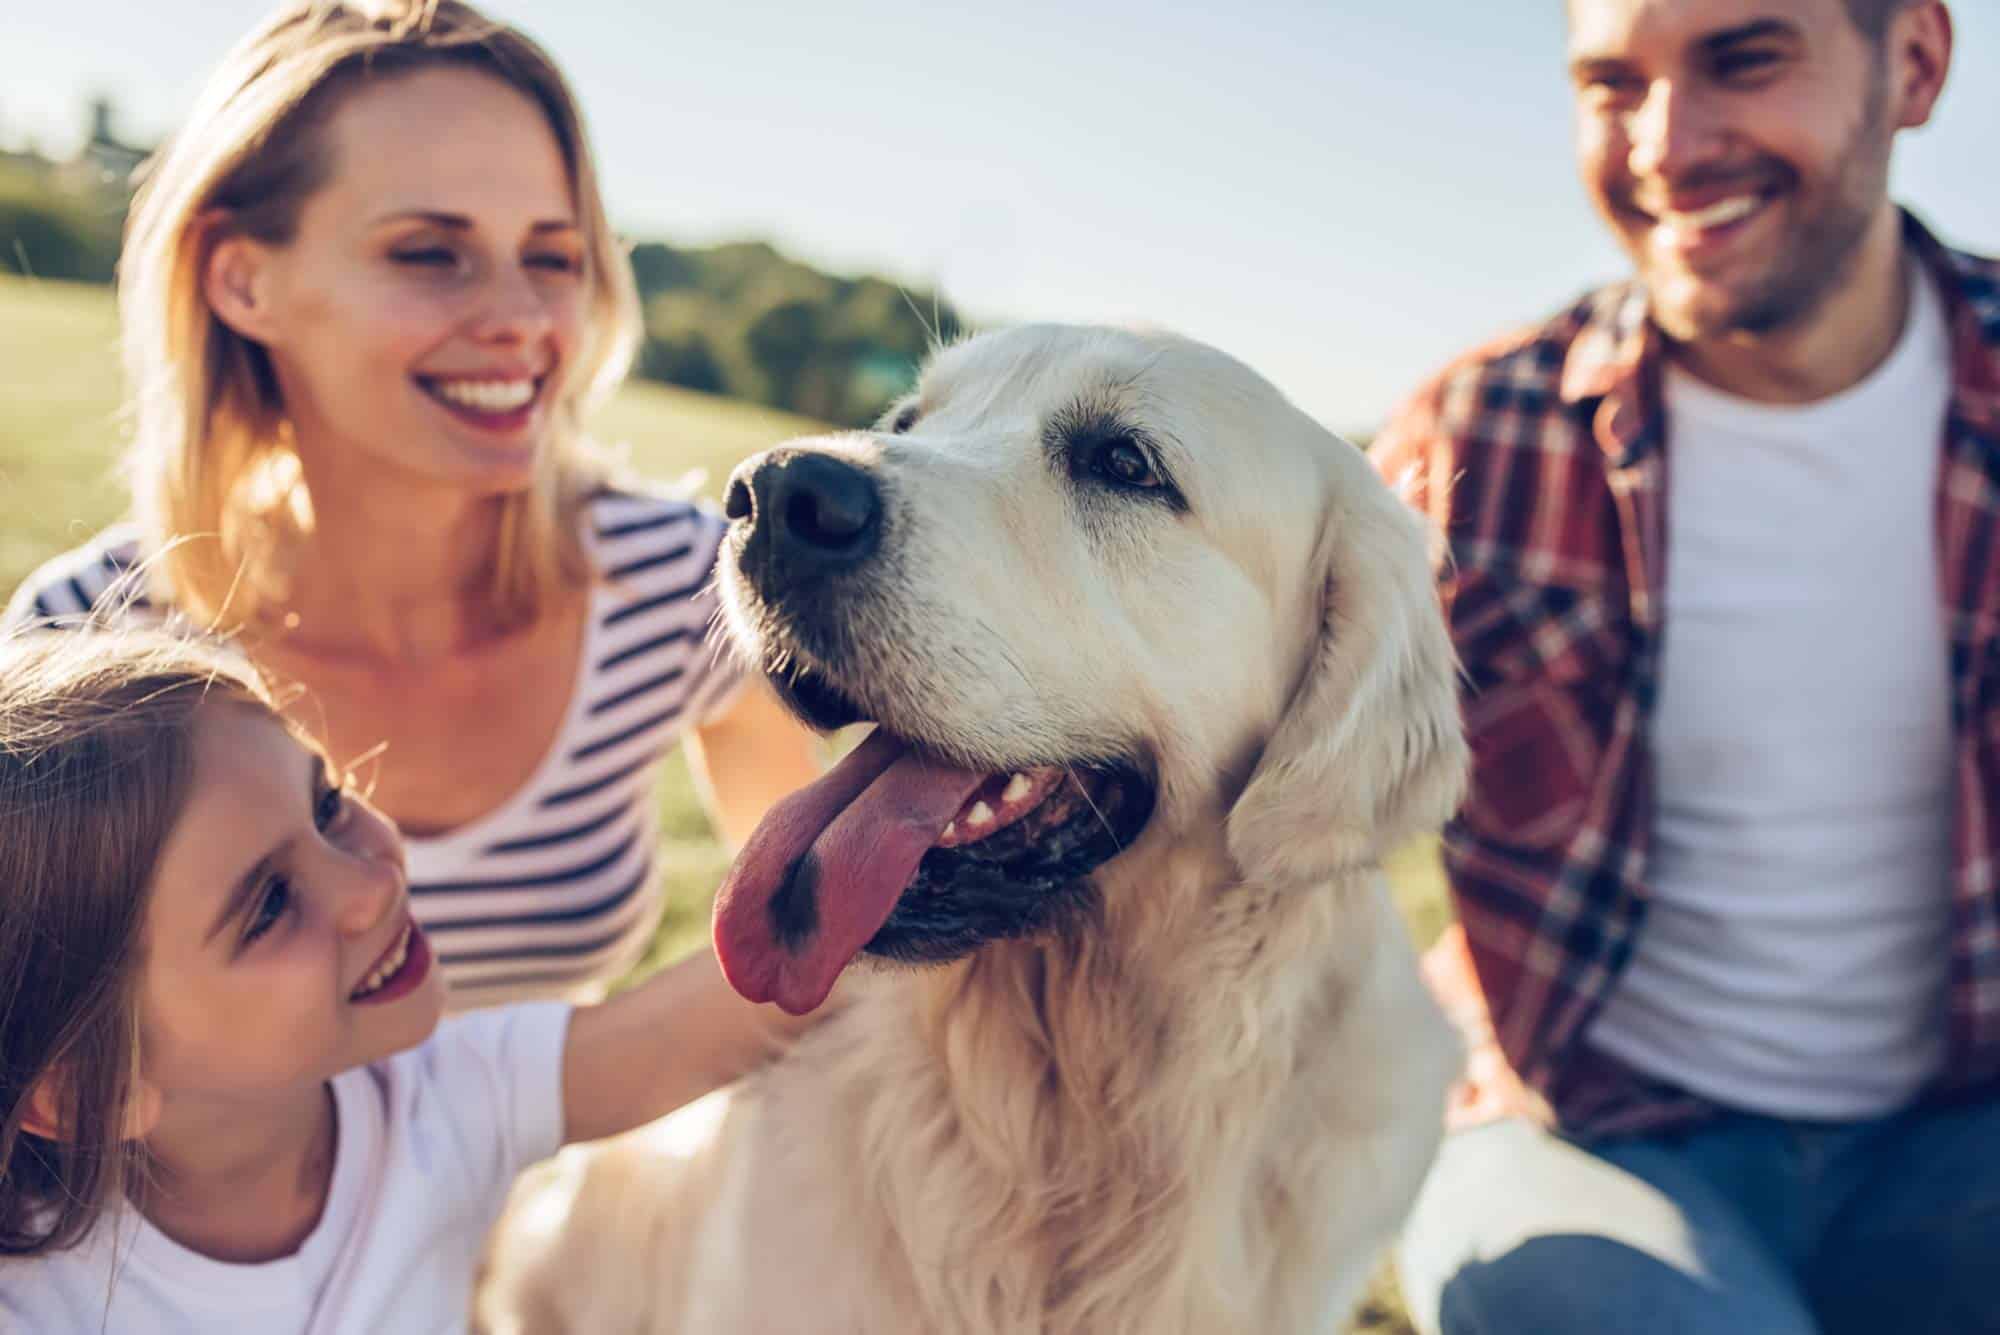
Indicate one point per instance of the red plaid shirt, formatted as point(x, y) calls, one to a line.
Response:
point(1541, 459)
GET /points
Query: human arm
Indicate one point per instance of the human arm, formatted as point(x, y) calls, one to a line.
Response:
point(750, 756)
point(685, 1031)
point(1413, 455)
point(1488, 1088)
point(678, 1035)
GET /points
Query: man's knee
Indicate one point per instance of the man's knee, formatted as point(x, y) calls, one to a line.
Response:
point(1934, 1281)
point(1578, 1284)
point(1915, 1250)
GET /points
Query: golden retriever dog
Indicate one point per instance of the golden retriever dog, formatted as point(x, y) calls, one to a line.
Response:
point(1158, 677)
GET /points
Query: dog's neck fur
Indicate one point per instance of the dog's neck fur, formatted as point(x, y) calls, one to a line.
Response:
point(1051, 1056)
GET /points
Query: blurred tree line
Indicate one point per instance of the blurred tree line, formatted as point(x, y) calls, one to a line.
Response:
point(744, 320)
point(55, 232)
point(738, 319)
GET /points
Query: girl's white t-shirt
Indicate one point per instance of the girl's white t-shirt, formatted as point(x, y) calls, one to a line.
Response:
point(429, 1143)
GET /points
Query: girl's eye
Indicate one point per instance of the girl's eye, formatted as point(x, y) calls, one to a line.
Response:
point(329, 807)
point(1121, 461)
point(272, 905)
point(556, 263)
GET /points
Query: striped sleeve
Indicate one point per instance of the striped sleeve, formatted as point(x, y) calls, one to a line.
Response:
point(100, 579)
point(669, 548)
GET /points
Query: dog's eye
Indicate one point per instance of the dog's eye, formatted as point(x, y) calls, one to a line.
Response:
point(1121, 460)
point(905, 418)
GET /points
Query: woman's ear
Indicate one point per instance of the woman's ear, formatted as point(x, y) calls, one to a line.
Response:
point(236, 282)
point(44, 1113)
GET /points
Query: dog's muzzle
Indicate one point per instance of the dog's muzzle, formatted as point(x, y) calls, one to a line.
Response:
point(808, 516)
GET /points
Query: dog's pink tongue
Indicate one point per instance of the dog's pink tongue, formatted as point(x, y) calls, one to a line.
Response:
point(823, 871)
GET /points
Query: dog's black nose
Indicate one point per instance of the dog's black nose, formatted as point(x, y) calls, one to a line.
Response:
point(809, 514)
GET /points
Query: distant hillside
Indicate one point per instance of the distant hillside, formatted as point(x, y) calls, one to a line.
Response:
point(745, 320)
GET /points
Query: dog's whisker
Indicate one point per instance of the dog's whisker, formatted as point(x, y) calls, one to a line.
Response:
point(932, 326)
point(1006, 654)
point(1095, 810)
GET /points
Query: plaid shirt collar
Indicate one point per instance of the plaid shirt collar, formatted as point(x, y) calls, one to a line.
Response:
point(1617, 357)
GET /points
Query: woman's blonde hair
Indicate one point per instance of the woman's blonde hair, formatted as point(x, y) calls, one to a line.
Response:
point(209, 455)
point(96, 754)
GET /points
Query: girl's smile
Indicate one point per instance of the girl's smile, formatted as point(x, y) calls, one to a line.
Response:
point(401, 970)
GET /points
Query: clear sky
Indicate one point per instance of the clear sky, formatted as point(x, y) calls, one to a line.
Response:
point(1342, 193)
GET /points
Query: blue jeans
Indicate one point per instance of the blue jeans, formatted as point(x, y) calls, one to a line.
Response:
point(1749, 1224)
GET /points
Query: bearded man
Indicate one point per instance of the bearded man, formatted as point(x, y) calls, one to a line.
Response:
point(1725, 580)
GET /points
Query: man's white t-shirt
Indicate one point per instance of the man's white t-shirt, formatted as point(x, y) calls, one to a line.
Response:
point(429, 1143)
point(1794, 954)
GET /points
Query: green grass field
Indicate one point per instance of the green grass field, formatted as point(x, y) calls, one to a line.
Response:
point(60, 433)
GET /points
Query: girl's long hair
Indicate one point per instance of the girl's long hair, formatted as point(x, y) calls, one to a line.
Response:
point(96, 751)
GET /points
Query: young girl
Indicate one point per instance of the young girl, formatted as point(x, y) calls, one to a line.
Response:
point(226, 1098)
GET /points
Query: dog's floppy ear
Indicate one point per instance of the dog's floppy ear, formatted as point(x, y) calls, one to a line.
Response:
point(1371, 749)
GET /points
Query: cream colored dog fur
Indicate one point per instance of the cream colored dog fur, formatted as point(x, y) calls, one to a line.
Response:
point(1203, 1101)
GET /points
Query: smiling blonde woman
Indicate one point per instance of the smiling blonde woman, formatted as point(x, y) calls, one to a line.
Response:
point(367, 296)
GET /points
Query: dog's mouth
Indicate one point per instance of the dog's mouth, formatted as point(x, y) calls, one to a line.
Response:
point(902, 854)
point(813, 698)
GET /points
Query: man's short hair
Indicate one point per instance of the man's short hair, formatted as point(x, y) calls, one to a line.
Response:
point(1872, 16)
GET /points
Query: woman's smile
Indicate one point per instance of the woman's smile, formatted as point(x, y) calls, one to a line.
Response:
point(501, 405)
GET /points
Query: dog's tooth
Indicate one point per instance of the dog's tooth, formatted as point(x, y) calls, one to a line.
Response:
point(950, 829)
point(1017, 788)
point(981, 814)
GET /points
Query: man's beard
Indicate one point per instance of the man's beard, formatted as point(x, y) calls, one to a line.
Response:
point(1819, 251)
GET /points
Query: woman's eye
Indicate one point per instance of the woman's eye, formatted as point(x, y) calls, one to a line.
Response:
point(427, 258)
point(328, 808)
point(556, 263)
point(272, 905)
point(1122, 461)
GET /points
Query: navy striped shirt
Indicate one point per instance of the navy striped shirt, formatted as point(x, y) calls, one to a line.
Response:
point(554, 891)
